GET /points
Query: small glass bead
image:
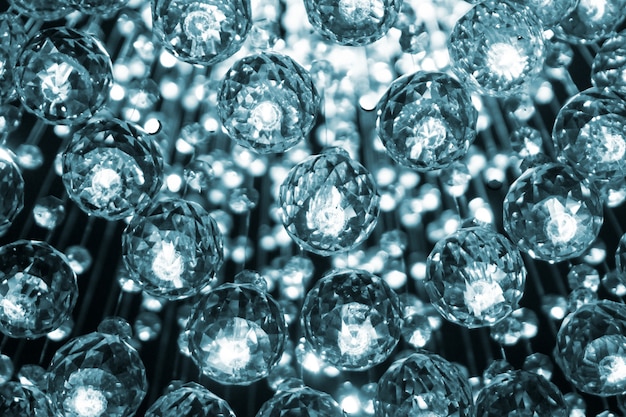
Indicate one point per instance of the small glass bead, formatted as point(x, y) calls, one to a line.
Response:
point(507, 331)
point(29, 157)
point(116, 326)
point(590, 22)
point(33, 375)
point(11, 190)
point(147, 326)
point(585, 276)
point(79, 258)
point(495, 368)
point(539, 364)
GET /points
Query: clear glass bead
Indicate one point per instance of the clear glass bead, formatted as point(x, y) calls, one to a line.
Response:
point(6, 369)
point(147, 326)
point(175, 248)
point(63, 76)
point(579, 297)
point(352, 22)
point(112, 169)
point(11, 190)
point(17, 400)
point(591, 348)
point(301, 402)
point(550, 12)
point(426, 120)
point(267, 102)
point(497, 47)
point(236, 334)
point(329, 203)
point(540, 364)
point(551, 213)
point(520, 393)
point(423, 384)
point(609, 64)
point(97, 375)
point(33, 375)
point(63, 331)
point(190, 400)
point(46, 10)
point(79, 258)
point(202, 32)
point(614, 283)
point(116, 326)
point(352, 319)
point(591, 21)
point(496, 367)
point(38, 289)
point(29, 157)
point(49, 212)
point(12, 39)
point(507, 331)
point(475, 277)
point(585, 276)
point(588, 134)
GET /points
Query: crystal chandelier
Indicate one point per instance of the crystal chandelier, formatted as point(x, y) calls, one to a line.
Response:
point(367, 208)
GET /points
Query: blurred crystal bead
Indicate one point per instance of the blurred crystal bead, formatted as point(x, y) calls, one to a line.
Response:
point(112, 169)
point(237, 334)
point(97, 374)
point(591, 348)
point(475, 277)
point(609, 64)
point(189, 400)
point(29, 157)
point(352, 319)
point(426, 120)
point(63, 331)
point(12, 38)
point(38, 289)
point(33, 375)
point(243, 200)
point(416, 328)
point(551, 13)
point(456, 179)
point(201, 32)
point(116, 326)
point(302, 402)
point(589, 135)
point(6, 369)
point(352, 22)
point(198, 175)
point(11, 190)
point(497, 47)
point(614, 283)
point(507, 331)
point(540, 364)
point(590, 21)
point(147, 326)
point(551, 213)
point(175, 248)
point(49, 212)
point(585, 276)
point(329, 203)
point(63, 76)
point(423, 384)
point(554, 306)
point(579, 297)
point(267, 102)
point(42, 9)
point(79, 258)
point(496, 367)
point(17, 400)
point(520, 393)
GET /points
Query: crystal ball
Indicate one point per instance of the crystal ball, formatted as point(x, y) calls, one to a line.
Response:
point(352, 319)
point(551, 12)
point(551, 213)
point(190, 400)
point(352, 22)
point(95, 7)
point(38, 289)
point(267, 102)
point(301, 402)
point(423, 384)
point(329, 203)
point(20, 400)
point(236, 334)
point(589, 135)
point(475, 277)
point(497, 47)
point(590, 21)
point(46, 10)
point(97, 375)
point(520, 393)
point(112, 169)
point(426, 120)
point(12, 39)
point(201, 32)
point(174, 248)
point(11, 190)
point(591, 348)
point(63, 76)
point(609, 64)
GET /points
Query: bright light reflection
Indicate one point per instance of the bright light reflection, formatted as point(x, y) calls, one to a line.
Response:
point(357, 333)
point(613, 369)
point(168, 264)
point(88, 402)
point(482, 295)
point(326, 214)
point(560, 226)
point(106, 184)
point(506, 61)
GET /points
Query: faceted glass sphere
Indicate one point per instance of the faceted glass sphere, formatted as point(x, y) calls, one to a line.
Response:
point(301, 402)
point(97, 375)
point(236, 334)
point(112, 169)
point(589, 135)
point(11, 190)
point(497, 47)
point(268, 102)
point(202, 31)
point(591, 21)
point(94, 7)
point(352, 319)
point(17, 400)
point(426, 120)
point(352, 22)
point(591, 348)
point(174, 248)
point(550, 12)
point(12, 39)
point(63, 76)
point(520, 393)
point(42, 9)
point(423, 384)
point(609, 64)
point(329, 203)
point(475, 277)
point(38, 289)
point(551, 213)
point(190, 400)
